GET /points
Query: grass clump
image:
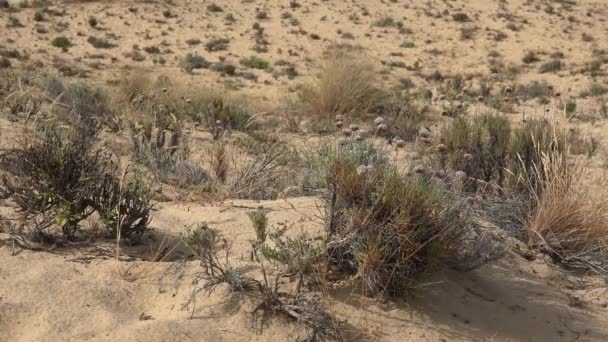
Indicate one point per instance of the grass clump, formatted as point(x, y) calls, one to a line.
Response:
point(255, 63)
point(569, 219)
point(346, 84)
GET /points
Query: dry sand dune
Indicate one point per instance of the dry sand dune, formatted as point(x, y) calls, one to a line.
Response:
point(85, 294)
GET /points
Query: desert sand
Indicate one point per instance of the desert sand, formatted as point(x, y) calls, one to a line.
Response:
point(85, 294)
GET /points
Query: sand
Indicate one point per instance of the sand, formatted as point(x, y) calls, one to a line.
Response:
point(84, 294)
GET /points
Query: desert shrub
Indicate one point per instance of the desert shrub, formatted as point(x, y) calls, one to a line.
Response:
point(460, 17)
point(81, 104)
point(261, 176)
point(551, 66)
point(206, 243)
point(163, 150)
point(100, 43)
point(93, 21)
point(318, 160)
point(194, 61)
point(534, 90)
point(346, 84)
point(19, 94)
point(61, 42)
point(301, 255)
point(305, 308)
point(47, 177)
point(62, 177)
point(218, 44)
point(404, 116)
point(479, 147)
point(124, 206)
point(38, 16)
point(217, 110)
point(529, 144)
point(386, 228)
point(259, 221)
point(255, 63)
point(531, 57)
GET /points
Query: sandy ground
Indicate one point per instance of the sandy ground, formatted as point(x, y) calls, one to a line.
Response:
point(86, 295)
point(79, 295)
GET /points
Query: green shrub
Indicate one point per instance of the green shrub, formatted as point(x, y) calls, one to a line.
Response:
point(259, 220)
point(387, 229)
point(256, 63)
point(92, 21)
point(61, 42)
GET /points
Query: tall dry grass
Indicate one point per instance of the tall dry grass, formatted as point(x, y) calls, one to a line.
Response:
point(346, 84)
point(569, 215)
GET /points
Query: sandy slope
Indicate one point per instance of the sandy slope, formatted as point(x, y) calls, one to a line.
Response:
point(80, 295)
point(85, 295)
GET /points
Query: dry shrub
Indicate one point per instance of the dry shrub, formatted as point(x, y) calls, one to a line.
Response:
point(570, 218)
point(260, 176)
point(146, 99)
point(387, 229)
point(535, 139)
point(305, 308)
point(62, 176)
point(78, 102)
point(486, 140)
point(164, 151)
point(345, 84)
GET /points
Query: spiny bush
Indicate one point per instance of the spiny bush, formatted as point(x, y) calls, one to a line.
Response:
point(386, 228)
point(345, 84)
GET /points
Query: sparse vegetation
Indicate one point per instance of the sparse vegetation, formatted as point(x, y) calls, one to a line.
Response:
point(256, 63)
point(338, 150)
point(61, 42)
point(346, 84)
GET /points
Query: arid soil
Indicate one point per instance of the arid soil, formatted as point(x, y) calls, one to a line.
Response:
point(85, 294)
